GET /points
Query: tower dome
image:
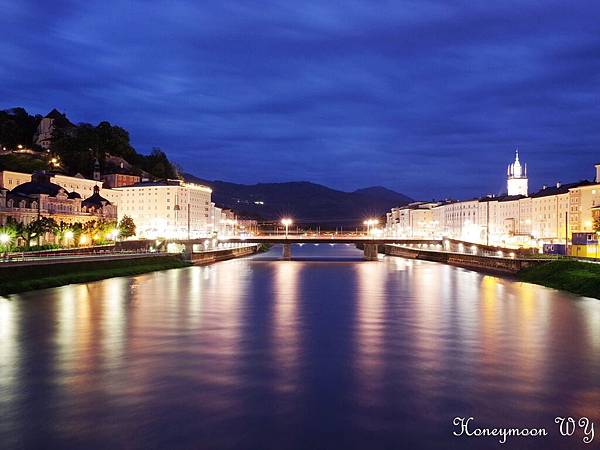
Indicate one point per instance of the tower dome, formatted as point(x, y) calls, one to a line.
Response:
point(517, 182)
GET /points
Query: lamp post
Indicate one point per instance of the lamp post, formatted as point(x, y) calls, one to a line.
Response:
point(5, 243)
point(369, 223)
point(286, 223)
point(68, 237)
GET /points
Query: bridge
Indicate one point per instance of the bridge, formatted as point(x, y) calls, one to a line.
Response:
point(369, 244)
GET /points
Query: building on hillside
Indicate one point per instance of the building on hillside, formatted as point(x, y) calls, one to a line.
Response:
point(548, 216)
point(115, 180)
point(169, 209)
point(45, 130)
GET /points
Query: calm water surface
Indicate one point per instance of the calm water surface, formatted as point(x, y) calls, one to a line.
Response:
point(312, 354)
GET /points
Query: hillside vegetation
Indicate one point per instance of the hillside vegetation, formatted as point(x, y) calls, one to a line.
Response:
point(308, 203)
point(76, 147)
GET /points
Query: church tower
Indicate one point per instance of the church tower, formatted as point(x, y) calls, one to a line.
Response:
point(517, 177)
point(97, 175)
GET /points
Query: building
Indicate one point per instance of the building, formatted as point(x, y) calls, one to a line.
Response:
point(99, 206)
point(10, 180)
point(169, 209)
point(516, 219)
point(115, 180)
point(78, 183)
point(45, 130)
point(413, 220)
point(40, 197)
point(516, 183)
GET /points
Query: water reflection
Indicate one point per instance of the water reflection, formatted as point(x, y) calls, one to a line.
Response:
point(312, 353)
point(286, 326)
point(370, 323)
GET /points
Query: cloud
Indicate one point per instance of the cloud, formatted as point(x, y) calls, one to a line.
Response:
point(421, 96)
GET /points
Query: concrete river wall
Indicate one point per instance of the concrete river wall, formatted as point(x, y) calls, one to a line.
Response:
point(495, 264)
point(212, 256)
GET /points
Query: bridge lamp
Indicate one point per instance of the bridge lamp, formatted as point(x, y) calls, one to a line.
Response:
point(286, 222)
point(369, 223)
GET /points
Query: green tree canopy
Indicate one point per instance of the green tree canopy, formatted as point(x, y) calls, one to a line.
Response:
point(127, 227)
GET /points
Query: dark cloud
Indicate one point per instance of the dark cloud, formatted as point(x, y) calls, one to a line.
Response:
point(426, 97)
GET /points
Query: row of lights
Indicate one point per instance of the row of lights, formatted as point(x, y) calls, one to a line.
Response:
point(68, 235)
point(286, 222)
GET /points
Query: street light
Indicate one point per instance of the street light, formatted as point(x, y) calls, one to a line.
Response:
point(286, 223)
point(114, 234)
point(5, 242)
point(369, 223)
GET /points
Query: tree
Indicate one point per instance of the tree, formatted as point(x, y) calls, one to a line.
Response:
point(127, 227)
point(17, 128)
point(38, 228)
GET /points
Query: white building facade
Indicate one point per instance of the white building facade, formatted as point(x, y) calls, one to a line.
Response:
point(517, 219)
point(171, 209)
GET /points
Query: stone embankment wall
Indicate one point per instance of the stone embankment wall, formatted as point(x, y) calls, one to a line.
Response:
point(220, 255)
point(496, 264)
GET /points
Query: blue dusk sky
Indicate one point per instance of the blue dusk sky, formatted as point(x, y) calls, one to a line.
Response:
point(429, 98)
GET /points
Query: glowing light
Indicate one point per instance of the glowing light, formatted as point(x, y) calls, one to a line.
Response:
point(286, 222)
point(4, 238)
point(173, 247)
point(83, 239)
point(68, 235)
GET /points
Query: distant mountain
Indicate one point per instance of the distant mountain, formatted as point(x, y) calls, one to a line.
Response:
point(305, 202)
point(383, 193)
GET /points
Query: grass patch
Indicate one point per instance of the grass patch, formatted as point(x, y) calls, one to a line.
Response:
point(574, 276)
point(21, 279)
point(23, 163)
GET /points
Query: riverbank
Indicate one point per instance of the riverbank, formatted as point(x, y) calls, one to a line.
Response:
point(213, 256)
point(580, 278)
point(481, 263)
point(40, 276)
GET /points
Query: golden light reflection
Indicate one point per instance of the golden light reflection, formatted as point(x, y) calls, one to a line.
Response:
point(490, 318)
point(427, 327)
point(286, 323)
point(8, 345)
point(115, 292)
point(371, 295)
point(593, 326)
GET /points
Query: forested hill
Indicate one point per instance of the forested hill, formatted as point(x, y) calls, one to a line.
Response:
point(306, 202)
point(76, 147)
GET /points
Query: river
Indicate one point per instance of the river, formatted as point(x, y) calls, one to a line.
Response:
point(323, 352)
